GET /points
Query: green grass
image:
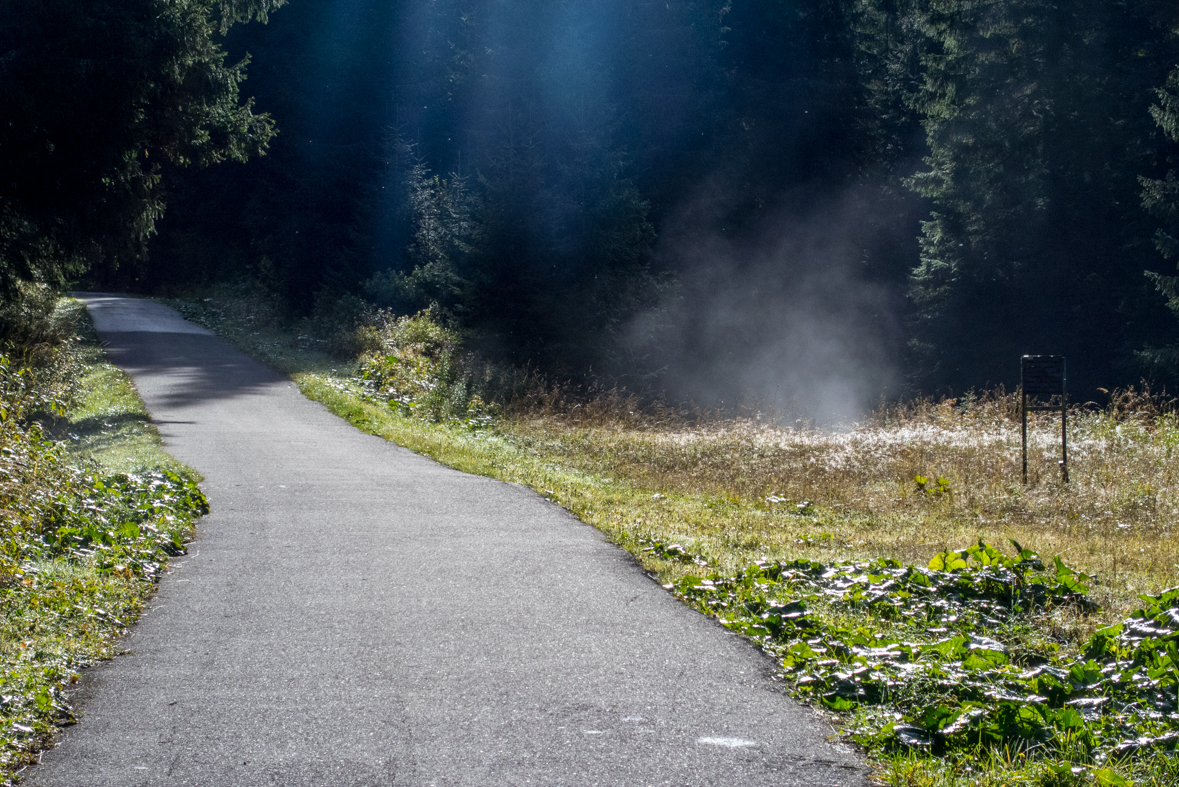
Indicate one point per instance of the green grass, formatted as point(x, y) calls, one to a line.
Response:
point(91, 519)
point(63, 617)
point(701, 499)
point(107, 422)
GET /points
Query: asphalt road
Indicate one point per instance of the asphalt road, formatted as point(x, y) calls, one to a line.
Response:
point(354, 614)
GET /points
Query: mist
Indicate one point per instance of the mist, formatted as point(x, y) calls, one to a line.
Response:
point(789, 318)
point(734, 201)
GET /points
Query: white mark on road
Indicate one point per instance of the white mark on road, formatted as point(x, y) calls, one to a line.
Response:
point(728, 743)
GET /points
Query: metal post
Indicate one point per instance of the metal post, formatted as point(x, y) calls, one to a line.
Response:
point(1042, 380)
point(1064, 437)
point(1023, 410)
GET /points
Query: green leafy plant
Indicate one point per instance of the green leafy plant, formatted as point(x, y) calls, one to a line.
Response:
point(946, 632)
point(80, 549)
point(420, 371)
point(940, 487)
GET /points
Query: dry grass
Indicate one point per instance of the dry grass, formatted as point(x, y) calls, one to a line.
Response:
point(729, 485)
point(736, 489)
point(1114, 519)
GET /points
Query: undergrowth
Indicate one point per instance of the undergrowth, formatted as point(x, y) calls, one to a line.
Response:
point(91, 510)
point(892, 566)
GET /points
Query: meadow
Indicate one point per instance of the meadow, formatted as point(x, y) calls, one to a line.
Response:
point(961, 626)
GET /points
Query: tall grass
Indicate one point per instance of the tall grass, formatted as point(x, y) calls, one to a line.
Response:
point(700, 496)
point(1115, 518)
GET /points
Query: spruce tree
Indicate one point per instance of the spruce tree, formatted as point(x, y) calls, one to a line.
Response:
point(98, 96)
point(1035, 113)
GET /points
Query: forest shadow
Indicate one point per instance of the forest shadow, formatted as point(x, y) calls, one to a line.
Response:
point(200, 367)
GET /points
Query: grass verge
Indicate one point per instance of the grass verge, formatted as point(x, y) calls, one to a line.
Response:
point(92, 510)
point(893, 567)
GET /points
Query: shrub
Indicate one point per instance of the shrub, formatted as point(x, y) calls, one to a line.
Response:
point(53, 506)
point(31, 325)
point(419, 368)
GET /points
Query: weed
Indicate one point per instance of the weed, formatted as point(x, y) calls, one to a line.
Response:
point(839, 550)
point(418, 370)
point(32, 325)
point(82, 540)
point(930, 646)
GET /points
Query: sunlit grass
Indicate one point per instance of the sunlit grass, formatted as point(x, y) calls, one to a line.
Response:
point(61, 618)
point(734, 490)
point(110, 425)
point(737, 490)
point(909, 770)
point(60, 614)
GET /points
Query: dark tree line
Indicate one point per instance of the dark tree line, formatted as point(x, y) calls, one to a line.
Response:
point(98, 97)
point(542, 169)
point(1039, 130)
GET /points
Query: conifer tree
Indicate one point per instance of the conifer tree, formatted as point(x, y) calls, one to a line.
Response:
point(98, 96)
point(1035, 113)
point(1160, 196)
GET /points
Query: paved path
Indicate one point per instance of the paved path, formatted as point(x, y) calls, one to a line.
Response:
point(353, 614)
